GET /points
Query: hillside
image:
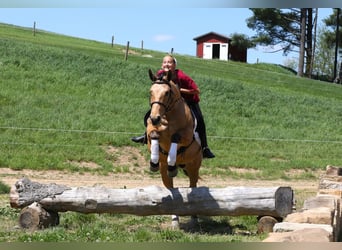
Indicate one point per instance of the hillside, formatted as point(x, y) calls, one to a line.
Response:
point(66, 100)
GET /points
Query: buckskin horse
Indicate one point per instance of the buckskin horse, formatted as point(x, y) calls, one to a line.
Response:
point(171, 136)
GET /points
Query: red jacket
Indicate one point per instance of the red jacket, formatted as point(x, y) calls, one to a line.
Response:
point(184, 81)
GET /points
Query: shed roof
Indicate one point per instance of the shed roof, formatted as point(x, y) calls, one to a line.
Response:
point(211, 33)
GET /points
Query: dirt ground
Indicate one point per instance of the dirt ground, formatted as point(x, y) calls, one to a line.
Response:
point(9, 177)
point(131, 158)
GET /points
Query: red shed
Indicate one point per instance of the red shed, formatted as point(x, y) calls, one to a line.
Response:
point(216, 46)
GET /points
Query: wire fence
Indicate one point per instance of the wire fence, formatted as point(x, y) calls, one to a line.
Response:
point(213, 137)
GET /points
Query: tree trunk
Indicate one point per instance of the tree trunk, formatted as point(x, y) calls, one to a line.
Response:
point(337, 35)
point(302, 42)
point(314, 42)
point(309, 39)
point(153, 200)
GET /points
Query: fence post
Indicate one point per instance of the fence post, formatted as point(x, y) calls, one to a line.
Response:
point(127, 49)
point(112, 41)
point(34, 29)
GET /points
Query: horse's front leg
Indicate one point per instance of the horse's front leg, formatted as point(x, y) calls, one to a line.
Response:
point(154, 161)
point(172, 156)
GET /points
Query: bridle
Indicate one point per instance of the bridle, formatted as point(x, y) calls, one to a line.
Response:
point(169, 104)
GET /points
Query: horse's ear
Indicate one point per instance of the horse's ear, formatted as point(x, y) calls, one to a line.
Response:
point(152, 76)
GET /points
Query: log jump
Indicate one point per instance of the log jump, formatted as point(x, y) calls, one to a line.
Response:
point(153, 200)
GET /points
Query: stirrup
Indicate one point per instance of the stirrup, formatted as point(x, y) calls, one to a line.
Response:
point(139, 139)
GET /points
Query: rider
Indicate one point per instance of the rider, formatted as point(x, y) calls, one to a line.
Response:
point(190, 92)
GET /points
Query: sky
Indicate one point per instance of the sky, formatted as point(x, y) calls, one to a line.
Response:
point(160, 28)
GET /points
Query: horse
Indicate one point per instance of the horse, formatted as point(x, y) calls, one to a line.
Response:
point(171, 136)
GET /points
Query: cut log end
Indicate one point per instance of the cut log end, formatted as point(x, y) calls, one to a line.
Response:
point(35, 217)
point(284, 201)
point(266, 224)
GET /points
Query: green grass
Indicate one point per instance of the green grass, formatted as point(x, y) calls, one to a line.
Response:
point(63, 99)
point(4, 189)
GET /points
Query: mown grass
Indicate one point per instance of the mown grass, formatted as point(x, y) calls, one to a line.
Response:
point(65, 99)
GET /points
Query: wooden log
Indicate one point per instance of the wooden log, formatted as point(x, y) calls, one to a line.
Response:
point(266, 224)
point(35, 217)
point(25, 192)
point(153, 200)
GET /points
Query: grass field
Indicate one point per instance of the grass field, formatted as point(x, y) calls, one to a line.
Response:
point(65, 99)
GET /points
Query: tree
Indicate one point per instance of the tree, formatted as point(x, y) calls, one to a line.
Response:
point(330, 32)
point(324, 55)
point(275, 27)
point(333, 38)
point(283, 27)
point(328, 41)
point(241, 41)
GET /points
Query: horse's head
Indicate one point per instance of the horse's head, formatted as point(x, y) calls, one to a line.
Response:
point(163, 95)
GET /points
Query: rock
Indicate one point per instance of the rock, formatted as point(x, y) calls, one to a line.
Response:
point(290, 226)
point(301, 235)
point(320, 215)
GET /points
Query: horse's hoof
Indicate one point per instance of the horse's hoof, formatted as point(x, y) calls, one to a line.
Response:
point(154, 167)
point(172, 171)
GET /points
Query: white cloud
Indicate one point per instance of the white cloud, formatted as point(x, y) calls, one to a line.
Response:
point(163, 38)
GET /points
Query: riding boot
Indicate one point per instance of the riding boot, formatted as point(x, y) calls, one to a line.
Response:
point(205, 149)
point(207, 153)
point(140, 139)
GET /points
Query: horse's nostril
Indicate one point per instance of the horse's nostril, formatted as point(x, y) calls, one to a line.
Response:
point(155, 120)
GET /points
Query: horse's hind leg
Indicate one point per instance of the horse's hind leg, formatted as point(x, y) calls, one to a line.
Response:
point(193, 174)
point(168, 183)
